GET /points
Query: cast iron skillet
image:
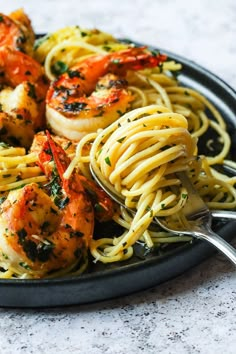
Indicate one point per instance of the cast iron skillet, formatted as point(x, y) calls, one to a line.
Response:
point(143, 270)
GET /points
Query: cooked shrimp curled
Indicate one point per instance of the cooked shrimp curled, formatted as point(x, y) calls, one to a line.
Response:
point(22, 98)
point(93, 93)
point(46, 229)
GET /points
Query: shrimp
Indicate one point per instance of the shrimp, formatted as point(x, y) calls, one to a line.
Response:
point(15, 130)
point(16, 31)
point(46, 229)
point(23, 97)
point(104, 207)
point(16, 67)
point(40, 138)
point(93, 93)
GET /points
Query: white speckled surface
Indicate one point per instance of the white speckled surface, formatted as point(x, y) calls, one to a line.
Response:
point(196, 312)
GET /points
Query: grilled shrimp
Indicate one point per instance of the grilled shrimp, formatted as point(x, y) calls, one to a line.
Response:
point(22, 99)
point(104, 208)
point(16, 31)
point(93, 93)
point(46, 229)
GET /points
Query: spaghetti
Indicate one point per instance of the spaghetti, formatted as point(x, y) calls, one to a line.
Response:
point(137, 157)
point(16, 169)
point(145, 141)
point(150, 87)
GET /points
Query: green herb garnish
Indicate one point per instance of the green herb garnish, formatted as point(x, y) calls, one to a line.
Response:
point(107, 160)
point(121, 139)
point(59, 67)
point(24, 265)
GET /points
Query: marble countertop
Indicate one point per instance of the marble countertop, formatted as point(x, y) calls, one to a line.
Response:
point(196, 312)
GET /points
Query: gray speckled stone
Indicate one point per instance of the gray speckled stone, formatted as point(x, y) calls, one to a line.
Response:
point(196, 312)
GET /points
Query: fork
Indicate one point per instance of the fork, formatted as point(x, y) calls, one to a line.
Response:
point(197, 218)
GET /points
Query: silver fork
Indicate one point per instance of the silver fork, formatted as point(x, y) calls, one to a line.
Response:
point(196, 221)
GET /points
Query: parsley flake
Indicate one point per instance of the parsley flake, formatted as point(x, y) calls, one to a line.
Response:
point(107, 160)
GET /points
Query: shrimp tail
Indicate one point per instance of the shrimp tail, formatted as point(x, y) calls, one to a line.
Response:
point(135, 59)
point(52, 151)
point(60, 158)
point(103, 205)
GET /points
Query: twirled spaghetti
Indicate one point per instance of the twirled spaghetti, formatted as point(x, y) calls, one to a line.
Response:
point(137, 157)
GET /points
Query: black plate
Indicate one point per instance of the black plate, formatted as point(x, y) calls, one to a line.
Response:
point(106, 282)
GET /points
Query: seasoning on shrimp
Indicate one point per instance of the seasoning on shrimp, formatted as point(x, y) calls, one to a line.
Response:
point(16, 31)
point(93, 93)
point(47, 229)
point(101, 202)
point(22, 99)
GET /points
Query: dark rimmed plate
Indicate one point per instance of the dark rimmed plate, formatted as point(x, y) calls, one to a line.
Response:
point(141, 272)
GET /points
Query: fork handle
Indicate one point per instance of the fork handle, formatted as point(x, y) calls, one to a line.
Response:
point(223, 214)
point(205, 233)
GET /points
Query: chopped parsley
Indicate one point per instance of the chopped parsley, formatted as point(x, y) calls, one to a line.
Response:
point(31, 92)
point(54, 185)
point(68, 145)
point(22, 235)
point(83, 34)
point(24, 265)
point(107, 160)
point(121, 139)
point(40, 41)
point(119, 112)
point(75, 106)
point(61, 203)
point(106, 48)
point(76, 234)
point(116, 61)
point(75, 73)
point(4, 255)
point(2, 199)
point(4, 145)
point(99, 208)
point(59, 67)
